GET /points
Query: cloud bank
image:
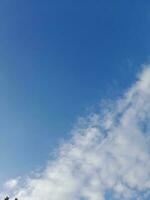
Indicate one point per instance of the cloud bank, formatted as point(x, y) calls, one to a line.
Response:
point(108, 156)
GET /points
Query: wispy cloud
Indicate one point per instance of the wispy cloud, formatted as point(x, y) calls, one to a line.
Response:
point(109, 154)
point(11, 184)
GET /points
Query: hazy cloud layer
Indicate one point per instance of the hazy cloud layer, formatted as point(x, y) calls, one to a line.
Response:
point(108, 155)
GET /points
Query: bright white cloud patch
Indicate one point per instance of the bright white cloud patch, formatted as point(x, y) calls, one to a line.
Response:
point(11, 184)
point(108, 156)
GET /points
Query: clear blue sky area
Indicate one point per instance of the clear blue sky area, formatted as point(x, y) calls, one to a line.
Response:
point(58, 59)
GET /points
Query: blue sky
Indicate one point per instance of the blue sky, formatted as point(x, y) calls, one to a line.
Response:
point(58, 60)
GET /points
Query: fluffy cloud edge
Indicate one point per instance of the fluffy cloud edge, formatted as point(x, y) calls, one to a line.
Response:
point(108, 156)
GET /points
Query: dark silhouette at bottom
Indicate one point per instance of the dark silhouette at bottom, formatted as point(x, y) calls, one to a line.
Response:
point(7, 198)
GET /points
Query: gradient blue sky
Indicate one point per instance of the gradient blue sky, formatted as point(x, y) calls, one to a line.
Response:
point(58, 59)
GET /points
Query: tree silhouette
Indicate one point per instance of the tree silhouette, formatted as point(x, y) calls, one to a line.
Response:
point(7, 198)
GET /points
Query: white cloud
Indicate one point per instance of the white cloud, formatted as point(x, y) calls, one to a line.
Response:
point(108, 154)
point(11, 184)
